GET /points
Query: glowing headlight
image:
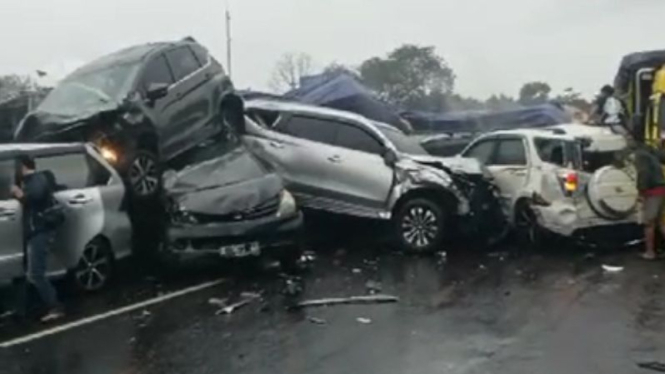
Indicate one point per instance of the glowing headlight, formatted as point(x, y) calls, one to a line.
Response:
point(287, 204)
point(108, 154)
point(180, 215)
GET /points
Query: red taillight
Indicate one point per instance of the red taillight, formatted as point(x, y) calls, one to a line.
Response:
point(570, 182)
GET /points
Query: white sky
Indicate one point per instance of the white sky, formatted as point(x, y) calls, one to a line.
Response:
point(493, 45)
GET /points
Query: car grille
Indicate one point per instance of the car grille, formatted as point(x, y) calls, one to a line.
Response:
point(265, 209)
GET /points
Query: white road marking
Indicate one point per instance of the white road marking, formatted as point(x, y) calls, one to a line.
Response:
point(109, 314)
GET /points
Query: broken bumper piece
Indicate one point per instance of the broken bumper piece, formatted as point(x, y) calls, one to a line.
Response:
point(273, 237)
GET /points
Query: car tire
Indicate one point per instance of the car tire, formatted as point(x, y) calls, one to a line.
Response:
point(94, 270)
point(529, 233)
point(143, 175)
point(419, 225)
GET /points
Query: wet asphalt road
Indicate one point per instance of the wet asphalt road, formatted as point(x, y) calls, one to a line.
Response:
point(556, 311)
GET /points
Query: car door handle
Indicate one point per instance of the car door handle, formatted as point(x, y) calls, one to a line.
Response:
point(336, 159)
point(79, 200)
point(7, 214)
point(275, 144)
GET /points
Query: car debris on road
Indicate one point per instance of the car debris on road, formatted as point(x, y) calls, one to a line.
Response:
point(372, 299)
point(363, 320)
point(612, 269)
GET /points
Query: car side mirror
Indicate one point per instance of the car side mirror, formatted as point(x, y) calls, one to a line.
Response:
point(389, 157)
point(157, 91)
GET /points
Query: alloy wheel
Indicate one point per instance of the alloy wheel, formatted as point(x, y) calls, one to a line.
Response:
point(420, 226)
point(527, 224)
point(143, 175)
point(94, 267)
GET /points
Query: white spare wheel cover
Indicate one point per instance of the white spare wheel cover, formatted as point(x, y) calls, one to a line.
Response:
point(612, 193)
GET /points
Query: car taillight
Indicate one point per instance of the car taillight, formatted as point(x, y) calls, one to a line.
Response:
point(570, 183)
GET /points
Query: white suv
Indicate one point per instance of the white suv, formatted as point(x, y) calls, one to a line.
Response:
point(547, 183)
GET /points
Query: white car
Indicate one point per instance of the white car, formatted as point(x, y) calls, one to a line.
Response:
point(547, 183)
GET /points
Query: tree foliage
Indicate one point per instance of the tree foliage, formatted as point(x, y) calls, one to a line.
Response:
point(288, 71)
point(13, 85)
point(533, 93)
point(411, 76)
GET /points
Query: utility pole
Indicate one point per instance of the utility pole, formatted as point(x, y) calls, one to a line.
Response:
point(228, 39)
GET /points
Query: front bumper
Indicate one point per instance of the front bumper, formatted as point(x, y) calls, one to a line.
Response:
point(276, 237)
point(578, 220)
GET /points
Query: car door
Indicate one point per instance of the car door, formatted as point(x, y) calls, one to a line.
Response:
point(186, 126)
point(357, 171)
point(509, 167)
point(11, 226)
point(84, 208)
point(157, 72)
point(298, 146)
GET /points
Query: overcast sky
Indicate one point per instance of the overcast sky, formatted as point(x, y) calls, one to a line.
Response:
point(493, 45)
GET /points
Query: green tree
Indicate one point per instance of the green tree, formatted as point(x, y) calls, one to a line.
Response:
point(411, 76)
point(14, 85)
point(534, 93)
point(501, 102)
point(572, 98)
point(288, 71)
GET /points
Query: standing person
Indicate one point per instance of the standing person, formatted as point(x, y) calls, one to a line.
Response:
point(36, 197)
point(609, 109)
point(651, 186)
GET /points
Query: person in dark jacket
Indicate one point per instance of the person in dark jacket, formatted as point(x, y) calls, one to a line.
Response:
point(36, 196)
point(651, 186)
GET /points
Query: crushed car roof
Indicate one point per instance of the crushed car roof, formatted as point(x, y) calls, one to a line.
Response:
point(291, 107)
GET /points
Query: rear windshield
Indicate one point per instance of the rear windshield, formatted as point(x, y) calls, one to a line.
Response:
point(560, 152)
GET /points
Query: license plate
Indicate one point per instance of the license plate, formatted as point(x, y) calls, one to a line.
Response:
point(240, 250)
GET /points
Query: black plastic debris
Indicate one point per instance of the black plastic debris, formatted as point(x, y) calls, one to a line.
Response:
point(373, 287)
point(653, 365)
point(317, 321)
point(371, 299)
point(293, 286)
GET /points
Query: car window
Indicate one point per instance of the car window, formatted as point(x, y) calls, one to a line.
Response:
point(182, 62)
point(157, 72)
point(309, 128)
point(481, 151)
point(74, 170)
point(7, 173)
point(201, 54)
point(510, 152)
point(559, 152)
point(352, 137)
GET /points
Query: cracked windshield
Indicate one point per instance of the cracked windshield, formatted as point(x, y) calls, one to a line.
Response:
point(332, 186)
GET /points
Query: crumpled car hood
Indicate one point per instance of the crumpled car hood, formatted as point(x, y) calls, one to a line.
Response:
point(231, 183)
point(468, 166)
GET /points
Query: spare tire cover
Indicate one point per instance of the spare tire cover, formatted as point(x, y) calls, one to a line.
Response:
point(612, 193)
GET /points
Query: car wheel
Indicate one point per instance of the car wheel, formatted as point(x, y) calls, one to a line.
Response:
point(95, 267)
point(529, 233)
point(419, 225)
point(143, 174)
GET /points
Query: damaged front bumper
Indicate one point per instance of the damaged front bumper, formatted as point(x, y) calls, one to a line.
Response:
point(271, 236)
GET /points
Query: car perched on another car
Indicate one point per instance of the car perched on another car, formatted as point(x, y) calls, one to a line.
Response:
point(96, 232)
point(228, 204)
point(142, 106)
point(550, 182)
point(344, 163)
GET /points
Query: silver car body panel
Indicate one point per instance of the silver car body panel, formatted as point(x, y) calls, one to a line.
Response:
point(337, 179)
point(90, 212)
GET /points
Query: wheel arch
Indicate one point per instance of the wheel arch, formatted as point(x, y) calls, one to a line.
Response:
point(444, 198)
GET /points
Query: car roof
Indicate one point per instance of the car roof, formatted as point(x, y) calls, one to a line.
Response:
point(128, 55)
point(286, 106)
point(544, 132)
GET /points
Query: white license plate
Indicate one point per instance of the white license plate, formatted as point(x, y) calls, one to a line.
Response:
point(240, 250)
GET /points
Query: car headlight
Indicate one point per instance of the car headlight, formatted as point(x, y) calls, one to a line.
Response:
point(181, 215)
point(287, 204)
point(109, 154)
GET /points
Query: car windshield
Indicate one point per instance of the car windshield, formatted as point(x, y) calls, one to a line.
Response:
point(402, 142)
point(90, 90)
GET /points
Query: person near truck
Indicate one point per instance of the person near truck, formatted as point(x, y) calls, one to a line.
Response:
point(36, 195)
point(651, 186)
point(609, 109)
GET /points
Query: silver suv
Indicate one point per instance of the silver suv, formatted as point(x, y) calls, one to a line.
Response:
point(96, 231)
point(344, 163)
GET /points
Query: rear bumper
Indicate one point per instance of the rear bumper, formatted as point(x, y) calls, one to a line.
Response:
point(276, 237)
point(570, 219)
